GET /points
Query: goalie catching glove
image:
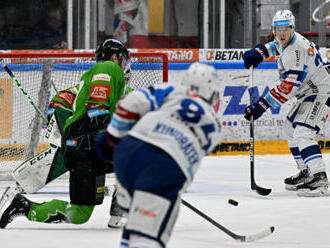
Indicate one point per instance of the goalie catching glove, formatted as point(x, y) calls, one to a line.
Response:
point(104, 146)
point(255, 56)
point(256, 109)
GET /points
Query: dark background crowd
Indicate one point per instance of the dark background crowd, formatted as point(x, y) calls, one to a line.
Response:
point(42, 24)
point(34, 24)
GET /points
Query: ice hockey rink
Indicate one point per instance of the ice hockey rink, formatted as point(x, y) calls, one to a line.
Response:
point(299, 222)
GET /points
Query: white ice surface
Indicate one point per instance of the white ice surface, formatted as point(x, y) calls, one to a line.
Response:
point(299, 222)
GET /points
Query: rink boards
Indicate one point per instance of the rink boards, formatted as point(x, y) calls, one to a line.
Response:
point(235, 92)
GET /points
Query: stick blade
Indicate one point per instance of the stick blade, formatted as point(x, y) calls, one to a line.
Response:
point(260, 190)
point(260, 235)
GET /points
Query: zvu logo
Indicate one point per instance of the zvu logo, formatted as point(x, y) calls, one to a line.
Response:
point(236, 93)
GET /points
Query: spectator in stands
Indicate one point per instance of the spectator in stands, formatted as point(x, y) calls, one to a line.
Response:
point(32, 21)
point(53, 35)
point(3, 36)
point(12, 30)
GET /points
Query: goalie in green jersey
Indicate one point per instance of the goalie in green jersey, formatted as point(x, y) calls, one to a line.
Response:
point(92, 103)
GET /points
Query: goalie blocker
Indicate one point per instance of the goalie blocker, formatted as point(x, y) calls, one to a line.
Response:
point(34, 173)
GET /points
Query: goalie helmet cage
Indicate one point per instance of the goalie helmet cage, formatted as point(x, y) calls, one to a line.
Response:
point(41, 75)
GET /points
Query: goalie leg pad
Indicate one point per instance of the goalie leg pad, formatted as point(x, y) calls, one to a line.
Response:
point(32, 174)
point(8, 195)
point(53, 134)
point(57, 168)
point(61, 115)
point(54, 131)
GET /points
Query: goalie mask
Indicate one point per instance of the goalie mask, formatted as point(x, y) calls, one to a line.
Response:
point(201, 79)
point(283, 18)
point(107, 48)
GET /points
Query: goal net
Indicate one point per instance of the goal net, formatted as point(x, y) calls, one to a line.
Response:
point(41, 75)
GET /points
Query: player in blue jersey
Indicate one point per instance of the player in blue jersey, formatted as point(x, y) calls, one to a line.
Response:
point(306, 77)
point(164, 132)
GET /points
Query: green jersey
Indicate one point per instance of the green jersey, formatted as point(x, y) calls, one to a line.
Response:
point(101, 87)
point(65, 98)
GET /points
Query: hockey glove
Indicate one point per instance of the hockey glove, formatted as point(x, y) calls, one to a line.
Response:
point(256, 109)
point(104, 147)
point(255, 56)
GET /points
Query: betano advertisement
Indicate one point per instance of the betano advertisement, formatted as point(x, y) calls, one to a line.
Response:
point(235, 92)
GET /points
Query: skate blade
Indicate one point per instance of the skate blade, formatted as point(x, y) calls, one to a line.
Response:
point(319, 192)
point(291, 187)
point(117, 222)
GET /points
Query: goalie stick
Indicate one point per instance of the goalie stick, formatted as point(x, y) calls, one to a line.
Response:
point(242, 238)
point(254, 186)
point(19, 85)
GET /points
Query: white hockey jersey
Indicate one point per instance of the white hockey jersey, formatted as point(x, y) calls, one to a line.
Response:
point(186, 127)
point(302, 71)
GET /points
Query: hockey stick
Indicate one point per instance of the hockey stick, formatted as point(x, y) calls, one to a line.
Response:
point(54, 86)
point(254, 186)
point(242, 238)
point(19, 85)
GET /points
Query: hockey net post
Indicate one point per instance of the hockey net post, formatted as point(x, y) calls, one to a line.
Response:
point(42, 74)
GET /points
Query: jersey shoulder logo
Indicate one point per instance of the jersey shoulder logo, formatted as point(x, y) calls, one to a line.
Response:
point(101, 77)
point(310, 52)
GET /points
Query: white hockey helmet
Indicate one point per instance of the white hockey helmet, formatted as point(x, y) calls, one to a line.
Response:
point(283, 18)
point(201, 79)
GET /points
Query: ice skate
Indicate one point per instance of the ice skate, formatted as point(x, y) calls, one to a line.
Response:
point(117, 215)
point(9, 194)
point(318, 186)
point(301, 177)
point(19, 206)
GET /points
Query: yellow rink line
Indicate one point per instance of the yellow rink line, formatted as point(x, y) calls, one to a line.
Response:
point(17, 151)
point(261, 147)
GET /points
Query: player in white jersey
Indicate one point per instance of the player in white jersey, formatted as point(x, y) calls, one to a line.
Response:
point(164, 133)
point(305, 76)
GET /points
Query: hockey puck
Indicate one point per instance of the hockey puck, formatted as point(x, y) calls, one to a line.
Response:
point(233, 202)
